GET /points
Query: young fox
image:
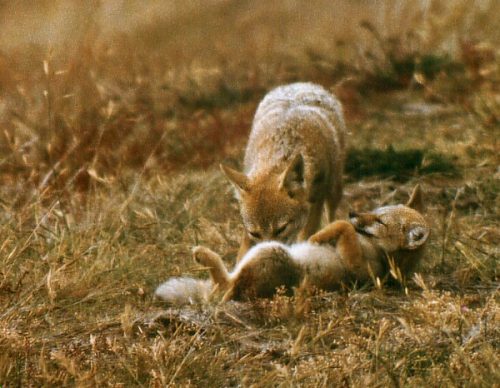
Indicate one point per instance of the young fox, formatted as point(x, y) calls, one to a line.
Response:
point(293, 165)
point(367, 246)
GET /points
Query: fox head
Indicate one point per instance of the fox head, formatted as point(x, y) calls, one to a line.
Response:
point(273, 205)
point(397, 227)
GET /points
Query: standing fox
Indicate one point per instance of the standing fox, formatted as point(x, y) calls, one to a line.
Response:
point(369, 245)
point(293, 165)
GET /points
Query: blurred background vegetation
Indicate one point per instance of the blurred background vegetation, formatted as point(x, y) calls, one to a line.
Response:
point(93, 88)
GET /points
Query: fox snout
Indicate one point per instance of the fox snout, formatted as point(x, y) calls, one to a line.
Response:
point(366, 223)
point(364, 219)
point(272, 235)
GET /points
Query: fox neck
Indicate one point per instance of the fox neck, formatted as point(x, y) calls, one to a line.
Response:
point(372, 255)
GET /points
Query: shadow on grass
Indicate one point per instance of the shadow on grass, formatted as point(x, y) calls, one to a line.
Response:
point(398, 165)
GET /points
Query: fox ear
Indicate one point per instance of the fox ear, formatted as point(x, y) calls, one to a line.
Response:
point(293, 176)
point(416, 201)
point(416, 236)
point(238, 179)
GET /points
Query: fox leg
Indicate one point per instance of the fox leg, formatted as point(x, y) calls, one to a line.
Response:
point(244, 246)
point(270, 265)
point(313, 221)
point(216, 268)
point(333, 200)
point(331, 233)
point(343, 236)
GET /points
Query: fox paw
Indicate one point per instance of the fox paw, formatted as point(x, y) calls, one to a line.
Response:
point(204, 256)
point(321, 238)
point(314, 239)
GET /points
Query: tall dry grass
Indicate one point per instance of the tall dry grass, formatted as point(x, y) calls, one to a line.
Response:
point(93, 89)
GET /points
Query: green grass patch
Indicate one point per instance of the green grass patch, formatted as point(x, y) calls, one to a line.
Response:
point(398, 165)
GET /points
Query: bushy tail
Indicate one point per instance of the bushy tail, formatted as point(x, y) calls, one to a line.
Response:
point(181, 291)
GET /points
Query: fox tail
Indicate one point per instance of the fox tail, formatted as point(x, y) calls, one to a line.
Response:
point(182, 290)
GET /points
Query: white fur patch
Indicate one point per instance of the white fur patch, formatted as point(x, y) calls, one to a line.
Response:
point(255, 250)
point(181, 291)
point(306, 252)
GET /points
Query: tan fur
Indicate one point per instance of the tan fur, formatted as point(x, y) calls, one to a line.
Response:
point(340, 253)
point(293, 165)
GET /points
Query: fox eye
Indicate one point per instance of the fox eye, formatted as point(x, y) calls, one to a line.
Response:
point(280, 230)
point(255, 235)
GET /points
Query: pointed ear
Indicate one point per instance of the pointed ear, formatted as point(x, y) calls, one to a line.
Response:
point(238, 179)
point(416, 201)
point(293, 176)
point(416, 236)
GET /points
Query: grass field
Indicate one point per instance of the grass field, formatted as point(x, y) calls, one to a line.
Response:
point(114, 117)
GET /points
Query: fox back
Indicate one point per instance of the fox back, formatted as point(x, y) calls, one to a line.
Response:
point(293, 164)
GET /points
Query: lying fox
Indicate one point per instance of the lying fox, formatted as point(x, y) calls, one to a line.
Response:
point(357, 250)
point(293, 165)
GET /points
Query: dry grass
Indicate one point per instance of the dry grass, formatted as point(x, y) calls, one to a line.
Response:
point(112, 130)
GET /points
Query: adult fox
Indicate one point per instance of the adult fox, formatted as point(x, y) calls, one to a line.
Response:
point(293, 165)
point(367, 246)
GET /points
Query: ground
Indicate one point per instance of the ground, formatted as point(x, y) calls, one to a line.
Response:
point(109, 176)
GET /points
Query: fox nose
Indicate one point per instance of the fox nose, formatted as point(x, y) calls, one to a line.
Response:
point(268, 237)
point(352, 214)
